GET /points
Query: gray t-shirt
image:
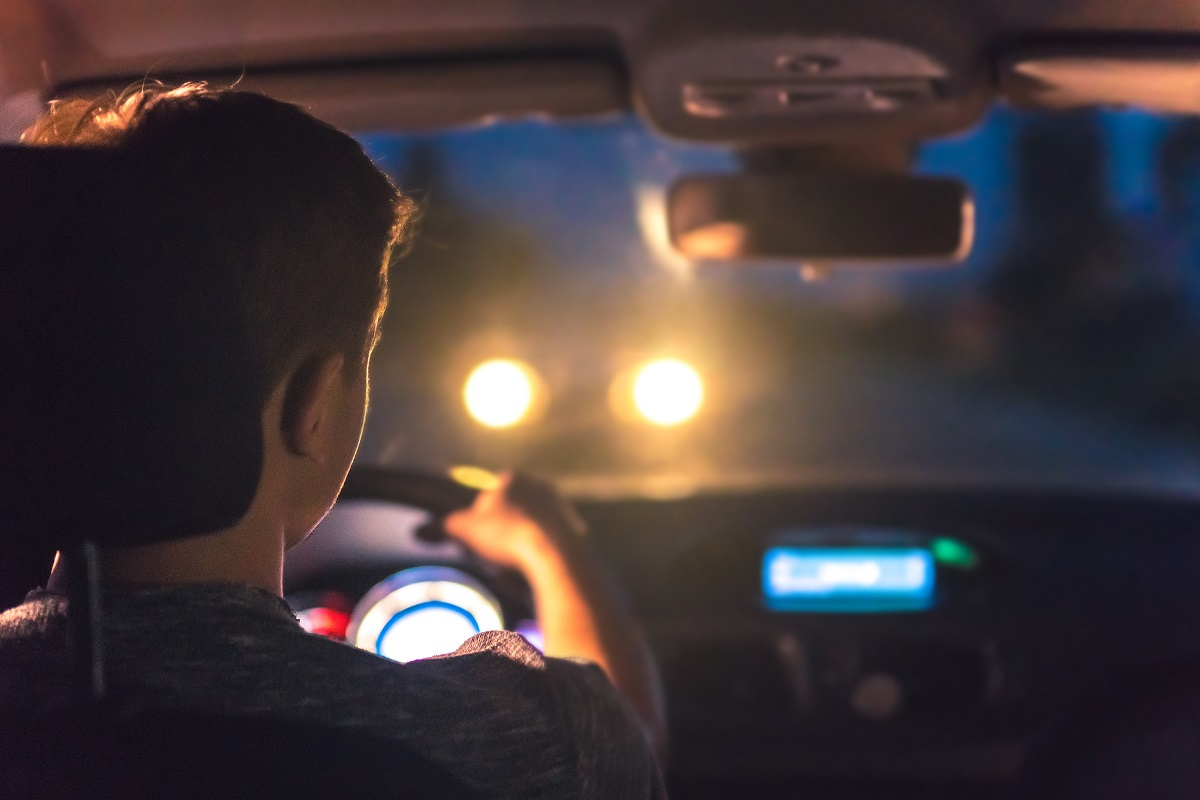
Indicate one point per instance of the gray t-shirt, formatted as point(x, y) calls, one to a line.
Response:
point(496, 713)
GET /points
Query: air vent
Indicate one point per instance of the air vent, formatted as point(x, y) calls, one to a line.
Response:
point(800, 77)
point(776, 88)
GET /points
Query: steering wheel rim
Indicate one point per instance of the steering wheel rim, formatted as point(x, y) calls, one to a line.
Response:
point(428, 494)
point(437, 494)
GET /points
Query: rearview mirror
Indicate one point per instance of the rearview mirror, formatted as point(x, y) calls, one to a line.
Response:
point(822, 217)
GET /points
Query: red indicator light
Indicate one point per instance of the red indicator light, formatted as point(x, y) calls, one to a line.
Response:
point(324, 622)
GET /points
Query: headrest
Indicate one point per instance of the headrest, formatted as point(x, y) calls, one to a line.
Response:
point(128, 409)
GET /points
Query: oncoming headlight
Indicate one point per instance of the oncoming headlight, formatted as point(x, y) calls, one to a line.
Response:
point(502, 393)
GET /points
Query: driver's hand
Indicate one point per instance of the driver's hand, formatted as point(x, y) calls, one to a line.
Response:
point(518, 523)
point(525, 524)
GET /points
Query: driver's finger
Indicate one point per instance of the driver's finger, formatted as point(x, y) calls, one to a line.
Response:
point(541, 501)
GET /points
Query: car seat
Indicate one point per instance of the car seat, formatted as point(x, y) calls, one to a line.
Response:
point(123, 422)
point(1138, 739)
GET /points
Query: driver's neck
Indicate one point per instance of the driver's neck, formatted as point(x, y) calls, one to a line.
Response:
point(250, 552)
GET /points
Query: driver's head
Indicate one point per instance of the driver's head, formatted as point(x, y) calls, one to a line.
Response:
point(230, 283)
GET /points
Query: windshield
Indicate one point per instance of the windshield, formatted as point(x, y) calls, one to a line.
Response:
point(1066, 350)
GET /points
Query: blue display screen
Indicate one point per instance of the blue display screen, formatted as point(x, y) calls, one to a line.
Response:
point(848, 579)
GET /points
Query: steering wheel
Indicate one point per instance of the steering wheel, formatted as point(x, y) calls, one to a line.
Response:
point(437, 494)
point(391, 561)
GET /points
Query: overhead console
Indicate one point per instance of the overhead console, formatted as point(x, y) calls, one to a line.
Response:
point(800, 88)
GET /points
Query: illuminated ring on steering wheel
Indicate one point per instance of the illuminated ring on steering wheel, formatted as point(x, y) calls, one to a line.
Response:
point(455, 604)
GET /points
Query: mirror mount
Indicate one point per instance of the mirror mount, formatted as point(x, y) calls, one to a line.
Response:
point(892, 156)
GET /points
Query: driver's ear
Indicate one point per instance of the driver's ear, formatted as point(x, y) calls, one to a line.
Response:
point(310, 406)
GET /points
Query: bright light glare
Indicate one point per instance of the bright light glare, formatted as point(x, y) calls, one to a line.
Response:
point(499, 393)
point(850, 579)
point(421, 612)
point(426, 631)
point(667, 392)
point(720, 240)
point(475, 477)
point(324, 621)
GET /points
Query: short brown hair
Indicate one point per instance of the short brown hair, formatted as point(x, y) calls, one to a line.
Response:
point(309, 224)
point(170, 255)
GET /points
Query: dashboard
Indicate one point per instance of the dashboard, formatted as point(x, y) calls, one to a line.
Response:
point(854, 642)
point(368, 577)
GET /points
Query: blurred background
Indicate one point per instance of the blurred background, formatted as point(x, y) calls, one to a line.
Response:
point(1065, 350)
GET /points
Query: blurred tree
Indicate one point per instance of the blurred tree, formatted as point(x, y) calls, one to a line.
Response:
point(463, 272)
point(1085, 301)
point(1069, 258)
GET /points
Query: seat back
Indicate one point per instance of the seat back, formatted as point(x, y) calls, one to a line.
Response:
point(103, 752)
point(1138, 739)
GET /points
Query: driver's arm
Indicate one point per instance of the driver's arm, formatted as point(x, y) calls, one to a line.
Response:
point(525, 524)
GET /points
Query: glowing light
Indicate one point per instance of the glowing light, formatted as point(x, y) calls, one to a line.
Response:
point(652, 218)
point(422, 612)
point(954, 553)
point(500, 393)
point(326, 622)
point(863, 574)
point(667, 392)
point(721, 240)
point(532, 632)
point(475, 477)
point(428, 630)
point(848, 579)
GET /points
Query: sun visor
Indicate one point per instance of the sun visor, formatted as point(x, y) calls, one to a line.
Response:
point(127, 413)
point(428, 95)
point(1152, 79)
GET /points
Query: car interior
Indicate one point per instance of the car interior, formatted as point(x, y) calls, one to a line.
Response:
point(864, 336)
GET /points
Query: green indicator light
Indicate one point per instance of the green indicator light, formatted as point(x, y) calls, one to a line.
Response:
point(953, 553)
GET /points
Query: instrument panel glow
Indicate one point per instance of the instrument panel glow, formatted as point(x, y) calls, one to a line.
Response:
point(428, 629)
point(848, 579)
point(423, 612)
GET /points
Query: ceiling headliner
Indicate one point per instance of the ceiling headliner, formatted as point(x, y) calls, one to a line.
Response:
point(439, 62)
